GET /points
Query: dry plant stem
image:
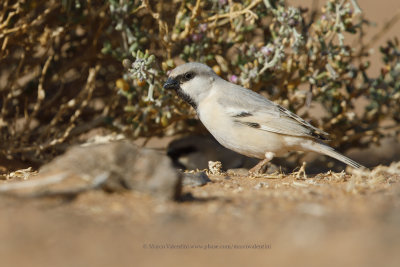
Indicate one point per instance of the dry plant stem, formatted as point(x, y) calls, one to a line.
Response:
point(9, 17)
point(232, 15)
point(162, 25)
point(89, 88)
point(25, 26)
point(40, 94)
point(189, 24)
point(3, 47)
point(11, 14)
point(10, 83)
point(260, 165)
point(301, 173)
point(3, 34)
point(69, 105)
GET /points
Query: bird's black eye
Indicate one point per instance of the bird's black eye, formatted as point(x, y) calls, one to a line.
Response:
point(188, 76)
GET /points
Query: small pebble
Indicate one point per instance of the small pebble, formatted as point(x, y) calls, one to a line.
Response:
point(195, 179)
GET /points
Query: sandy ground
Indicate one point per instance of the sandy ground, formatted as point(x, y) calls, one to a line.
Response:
point(330, 219)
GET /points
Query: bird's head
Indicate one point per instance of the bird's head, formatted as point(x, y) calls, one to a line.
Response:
point(191, 81)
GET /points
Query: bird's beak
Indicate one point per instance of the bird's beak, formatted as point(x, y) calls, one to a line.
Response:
point(171, 84)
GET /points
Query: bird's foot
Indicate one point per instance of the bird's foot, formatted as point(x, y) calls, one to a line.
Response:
point(261, 167)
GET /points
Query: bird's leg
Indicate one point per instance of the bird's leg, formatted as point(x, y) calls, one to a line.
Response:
point(258, 169)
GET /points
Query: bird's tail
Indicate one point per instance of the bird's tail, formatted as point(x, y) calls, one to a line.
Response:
point(329, 151)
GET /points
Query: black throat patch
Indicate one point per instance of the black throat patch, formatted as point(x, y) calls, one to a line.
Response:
point(186, 97)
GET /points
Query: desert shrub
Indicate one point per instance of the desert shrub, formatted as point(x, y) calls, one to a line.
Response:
point(62, 72)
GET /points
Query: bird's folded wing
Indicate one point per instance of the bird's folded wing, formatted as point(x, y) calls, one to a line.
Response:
point(268, 116)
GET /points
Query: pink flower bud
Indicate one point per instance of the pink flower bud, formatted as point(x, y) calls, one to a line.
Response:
point(233, 78)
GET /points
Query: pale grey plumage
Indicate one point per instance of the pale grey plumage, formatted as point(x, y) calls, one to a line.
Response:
point(269, 115)
point(245, 121)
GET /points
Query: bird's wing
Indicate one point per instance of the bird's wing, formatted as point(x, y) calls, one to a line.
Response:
point(251, 109)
